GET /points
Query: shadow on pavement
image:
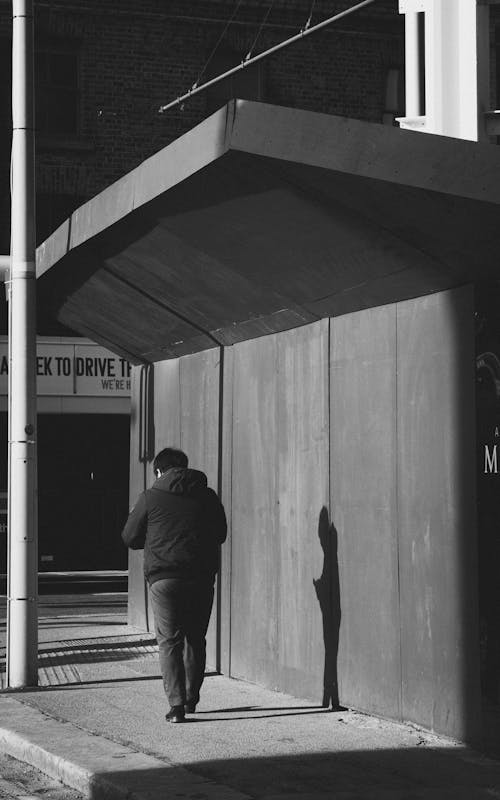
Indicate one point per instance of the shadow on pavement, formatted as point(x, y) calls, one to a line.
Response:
point(69, 687)
point(262, 708)
point(297, 711)
point(71, 653)
point(411, 773)
point(110, 649)
point(65, 622)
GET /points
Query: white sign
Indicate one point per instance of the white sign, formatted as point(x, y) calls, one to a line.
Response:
point(98, 369)
point(66, 367)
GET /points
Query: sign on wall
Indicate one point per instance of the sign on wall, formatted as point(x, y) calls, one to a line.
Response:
point(66, 367)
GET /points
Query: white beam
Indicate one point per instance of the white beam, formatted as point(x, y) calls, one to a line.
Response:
point(412, 65)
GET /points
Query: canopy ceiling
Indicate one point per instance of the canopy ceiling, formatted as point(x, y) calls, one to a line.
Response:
point(264, 218)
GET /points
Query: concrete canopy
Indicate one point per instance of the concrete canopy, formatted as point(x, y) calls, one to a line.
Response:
point(265, 218)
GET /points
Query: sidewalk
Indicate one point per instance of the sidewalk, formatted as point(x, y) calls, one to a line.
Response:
point(96, 722)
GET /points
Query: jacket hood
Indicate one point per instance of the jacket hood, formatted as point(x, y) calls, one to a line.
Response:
point(179, 480)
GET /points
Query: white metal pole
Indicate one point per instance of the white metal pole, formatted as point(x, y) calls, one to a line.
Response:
point(22, 645)
point(412, 64)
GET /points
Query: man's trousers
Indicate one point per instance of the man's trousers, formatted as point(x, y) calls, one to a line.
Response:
point(182, 612)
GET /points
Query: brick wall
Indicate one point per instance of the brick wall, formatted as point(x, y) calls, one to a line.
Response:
point(135, 57)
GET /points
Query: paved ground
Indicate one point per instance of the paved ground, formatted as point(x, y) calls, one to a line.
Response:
point(97, 722)
point(18, 781)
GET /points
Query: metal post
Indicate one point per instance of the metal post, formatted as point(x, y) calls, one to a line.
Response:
point(22, 645)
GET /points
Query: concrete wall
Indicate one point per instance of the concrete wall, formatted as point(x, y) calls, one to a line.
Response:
point(179, 407)
point(344, 455)
point(403, 503)
point(279, 488)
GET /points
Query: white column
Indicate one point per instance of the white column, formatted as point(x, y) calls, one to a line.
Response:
point(412, 65)
point(456, 67)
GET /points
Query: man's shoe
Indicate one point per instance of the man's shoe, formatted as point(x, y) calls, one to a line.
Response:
point(190, 707)
point(176, 714)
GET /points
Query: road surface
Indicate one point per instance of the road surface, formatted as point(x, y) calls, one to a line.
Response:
point(19, 781)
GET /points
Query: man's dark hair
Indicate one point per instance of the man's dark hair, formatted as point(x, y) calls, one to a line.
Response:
point(169, 457)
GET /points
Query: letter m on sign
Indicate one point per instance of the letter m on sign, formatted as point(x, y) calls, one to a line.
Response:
point(490, 460)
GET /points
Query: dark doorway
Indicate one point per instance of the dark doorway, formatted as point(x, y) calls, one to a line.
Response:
point(83, 475)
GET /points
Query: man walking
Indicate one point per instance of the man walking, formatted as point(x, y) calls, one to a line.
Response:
point(180, 523)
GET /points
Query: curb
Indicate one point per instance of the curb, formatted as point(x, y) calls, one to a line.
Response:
point(95, 766)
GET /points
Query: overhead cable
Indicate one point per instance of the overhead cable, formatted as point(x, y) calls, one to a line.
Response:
point(219, 40)
point(264, 20)
point(309, 19)
point(248, 61)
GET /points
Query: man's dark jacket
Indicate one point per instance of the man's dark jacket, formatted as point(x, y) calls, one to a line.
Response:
point(180, 523)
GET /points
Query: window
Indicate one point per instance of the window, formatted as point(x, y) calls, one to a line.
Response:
point(394, 97)
point(57, 90)
point(247, 84)
point(422, 59)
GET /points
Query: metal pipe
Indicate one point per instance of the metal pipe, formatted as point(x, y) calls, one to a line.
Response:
point(22, 645)
point(248, 61)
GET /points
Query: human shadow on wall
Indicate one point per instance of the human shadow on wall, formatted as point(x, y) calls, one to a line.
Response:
point(327, 588)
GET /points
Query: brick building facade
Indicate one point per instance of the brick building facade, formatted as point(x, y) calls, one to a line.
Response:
point(103, 70)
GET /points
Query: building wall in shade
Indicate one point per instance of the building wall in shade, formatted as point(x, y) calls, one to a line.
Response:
point(488, 485)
